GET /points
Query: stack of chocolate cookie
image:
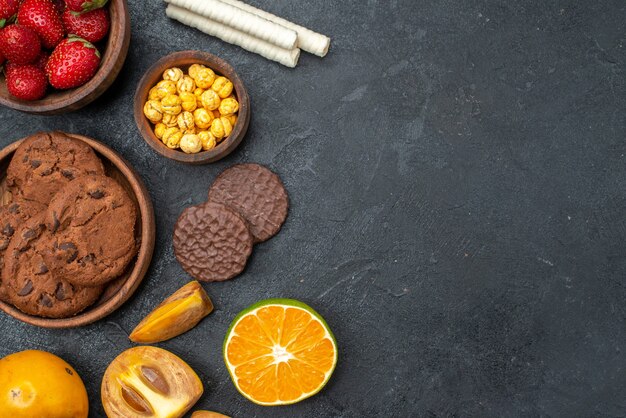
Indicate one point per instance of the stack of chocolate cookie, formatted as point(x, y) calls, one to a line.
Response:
point(247, 204)
point(68, 230)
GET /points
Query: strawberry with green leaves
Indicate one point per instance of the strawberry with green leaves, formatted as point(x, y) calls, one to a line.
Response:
point(19, 44)
point(82, 6)
point(43, 17)
point(72, 63)
point(92, 26)
point(8, 9)
point(26, 82)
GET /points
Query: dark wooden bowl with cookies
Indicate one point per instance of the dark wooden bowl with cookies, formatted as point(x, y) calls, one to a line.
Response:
point(119, 287)
point(183, 60)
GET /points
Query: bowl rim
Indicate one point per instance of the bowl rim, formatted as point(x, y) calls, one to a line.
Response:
point(143, 259)
point(107, 73)
point(220, 66)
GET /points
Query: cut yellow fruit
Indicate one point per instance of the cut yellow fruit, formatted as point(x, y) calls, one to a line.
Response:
point(207, 414)
point(149, 382)
point(279, 352)
point(177, 314)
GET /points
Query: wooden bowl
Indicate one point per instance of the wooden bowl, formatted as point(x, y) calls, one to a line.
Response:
point(122, 288)
point(183, 60)
point(113, 57)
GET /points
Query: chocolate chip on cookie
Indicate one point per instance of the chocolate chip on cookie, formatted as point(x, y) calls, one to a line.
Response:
point(212, 242)
point(93, 221)
point(45, 162)
point(29, 279)
point(257, 194)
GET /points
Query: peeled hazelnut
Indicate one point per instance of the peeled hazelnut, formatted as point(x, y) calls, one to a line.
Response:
point(186, 84)
point(177, 314)
point(207, 139)
point(171, 104)
point(185, 121)
point(221, 128)
point(193, 70)
point(228, 128)
point(159, 129)
point(202, 118)
point(217, 129)
point(149, 382)
point(153, 111)
point(156, 93)
point(232, 119)
point(210, 100)
point(173, 74)
point(222, 86)
point(189, 101)
point(228, 106)
point(169, 120)
point(204, 78)
point(167, 86)
point(171, 137)
point(190, 143)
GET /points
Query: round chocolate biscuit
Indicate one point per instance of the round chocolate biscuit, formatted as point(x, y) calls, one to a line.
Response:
point(257, 194)
point(93, 220)
point(212, 242)
point(11, 218)
point(47, 161)
point(29, 279)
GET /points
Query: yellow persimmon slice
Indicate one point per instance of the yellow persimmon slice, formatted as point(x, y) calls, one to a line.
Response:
point(177, 314)
point(149, 382)
point(279, 352)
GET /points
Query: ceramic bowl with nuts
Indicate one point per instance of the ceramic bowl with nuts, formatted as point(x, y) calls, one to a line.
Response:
point(191, 106)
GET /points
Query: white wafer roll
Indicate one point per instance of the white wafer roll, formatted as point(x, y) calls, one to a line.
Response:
point(309, 41)
point(270, 51)
point(241, 20)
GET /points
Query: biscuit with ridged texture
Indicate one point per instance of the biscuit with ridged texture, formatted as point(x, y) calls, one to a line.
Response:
point(45, 162)
point(212, 242)
point(29, 279)
point(93, 219)
point(257, 194)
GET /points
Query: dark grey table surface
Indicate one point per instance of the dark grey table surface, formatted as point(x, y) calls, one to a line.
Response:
point(457, 179)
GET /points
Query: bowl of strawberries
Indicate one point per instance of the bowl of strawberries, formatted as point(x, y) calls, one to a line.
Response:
point(59, 55)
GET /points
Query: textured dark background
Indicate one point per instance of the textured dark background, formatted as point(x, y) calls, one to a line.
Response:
point(457, 177)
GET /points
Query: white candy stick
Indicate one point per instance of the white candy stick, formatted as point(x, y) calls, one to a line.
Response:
point(241, 20)
point(270, 51)
point(309, 41)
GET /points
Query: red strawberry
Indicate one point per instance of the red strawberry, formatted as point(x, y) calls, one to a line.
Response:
point(42, 60)
point(60, 5)
point(42, 16)
point(26, 82)
point(8, 9)
point(92, 26)
point(72, 63)
point(2, 59)
point(19, 44)
point(84, 5)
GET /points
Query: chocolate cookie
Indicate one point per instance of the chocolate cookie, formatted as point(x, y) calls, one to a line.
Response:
point(11, 218)
point(93, 220)
point(257, 194)
point(47, 161)
point(212, 242)
point(29, 278)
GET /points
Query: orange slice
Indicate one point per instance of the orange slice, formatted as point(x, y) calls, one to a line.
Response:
point(279, 352)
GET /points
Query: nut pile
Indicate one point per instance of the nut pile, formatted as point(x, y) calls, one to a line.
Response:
point(193, 112)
